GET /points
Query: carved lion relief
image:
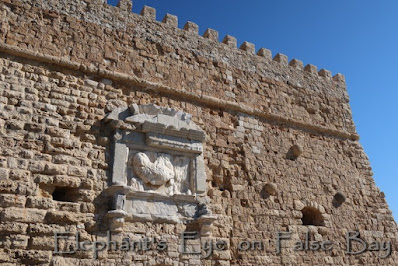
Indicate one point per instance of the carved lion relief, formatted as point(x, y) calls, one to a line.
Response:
point(158, 171)
point(161, 172)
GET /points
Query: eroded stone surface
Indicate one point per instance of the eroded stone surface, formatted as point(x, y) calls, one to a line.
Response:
point(67, 67)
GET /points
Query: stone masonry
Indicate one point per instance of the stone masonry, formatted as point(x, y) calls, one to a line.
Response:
point(114, 125)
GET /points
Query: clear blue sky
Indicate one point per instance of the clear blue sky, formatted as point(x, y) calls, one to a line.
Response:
point(358, 38)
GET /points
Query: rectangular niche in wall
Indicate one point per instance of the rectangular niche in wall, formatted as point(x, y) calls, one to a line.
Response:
point(158, 170)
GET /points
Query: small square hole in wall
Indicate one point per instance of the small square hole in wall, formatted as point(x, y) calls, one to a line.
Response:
point(64, 194)
point(294, 152)
point(244, 202)
point(312, 216)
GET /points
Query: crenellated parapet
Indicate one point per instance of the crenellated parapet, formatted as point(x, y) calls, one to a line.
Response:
point(230, 41)
point(102, 11)
point(139, 50)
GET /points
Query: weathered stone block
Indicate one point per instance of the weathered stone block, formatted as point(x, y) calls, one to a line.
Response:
point(54, 169)
point(248, 47)
point(211, 34)
point(62, 217)
point(8, 186)
point(325, 73)
point(19, 241)
point(170, 20)
point(39, 203)
point(4, 173)
point(40, 229)
point(42, 243)
point(22, 215)
point(13, 228)
point(339, 77)
point(34, 256)
point(311, 69)
point(19, 175)
point(281, 58)
point(191, 27)
point(265, 53)
point(296, 64)
point(230, 41)
point(12, 201)
point(148, 12)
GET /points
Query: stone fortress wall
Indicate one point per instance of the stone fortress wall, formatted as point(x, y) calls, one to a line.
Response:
point(279, 148)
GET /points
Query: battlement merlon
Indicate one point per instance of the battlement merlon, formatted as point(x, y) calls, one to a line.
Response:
point(118, 37)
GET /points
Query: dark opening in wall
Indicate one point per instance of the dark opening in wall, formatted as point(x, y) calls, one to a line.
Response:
point(338, 199)
point(312, 216)
point(294, 152)
point(269, 189)
point(244, 202)
point(64, 194)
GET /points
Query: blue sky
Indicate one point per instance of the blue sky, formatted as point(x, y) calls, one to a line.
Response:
point(358, 38)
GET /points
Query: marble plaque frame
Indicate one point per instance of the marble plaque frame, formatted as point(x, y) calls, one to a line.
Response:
point(164, 132)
